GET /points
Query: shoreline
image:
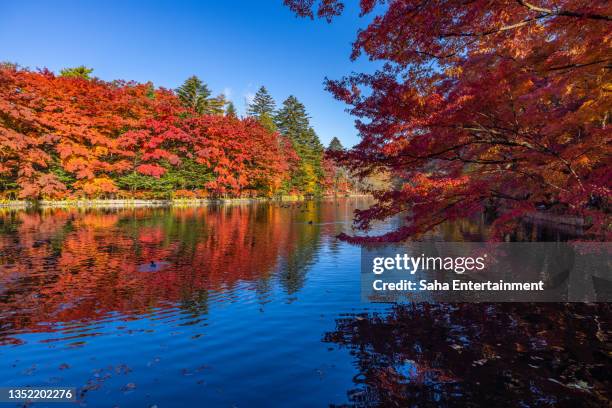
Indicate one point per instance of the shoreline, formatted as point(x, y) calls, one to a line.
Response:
point(138, 203)
point(562, 222)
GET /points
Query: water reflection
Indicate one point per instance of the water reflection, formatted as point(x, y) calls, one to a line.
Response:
point(63, 265)
point(497, 355)
point(227, 305)
point(490, 355)
point(477, 230)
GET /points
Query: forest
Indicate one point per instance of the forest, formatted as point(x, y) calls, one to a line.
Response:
point(71, 135)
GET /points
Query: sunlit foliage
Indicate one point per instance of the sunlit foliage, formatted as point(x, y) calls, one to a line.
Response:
point(75, 136)
point(481, 105)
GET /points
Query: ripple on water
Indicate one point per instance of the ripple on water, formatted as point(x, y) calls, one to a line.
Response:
point(247, 305)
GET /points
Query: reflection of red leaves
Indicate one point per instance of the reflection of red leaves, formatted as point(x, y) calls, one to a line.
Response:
point(95, 261)
point(151, 235)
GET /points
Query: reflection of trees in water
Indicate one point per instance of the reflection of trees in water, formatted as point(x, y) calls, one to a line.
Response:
point(477, 229)
point(432, 355)
point(480, 355)
point(195, 302)
point(463, 230)
point(61, 265)
point(337, 217)
point(310, 225)
point(299, 255)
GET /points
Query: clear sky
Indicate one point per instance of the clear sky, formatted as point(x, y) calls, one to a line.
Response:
point(234, 46)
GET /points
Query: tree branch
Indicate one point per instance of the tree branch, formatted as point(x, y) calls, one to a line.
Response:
point(564, 13)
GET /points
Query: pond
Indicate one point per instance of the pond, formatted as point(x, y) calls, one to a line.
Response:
point(258, 304)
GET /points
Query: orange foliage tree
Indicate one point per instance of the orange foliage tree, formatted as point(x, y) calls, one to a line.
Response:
point(64, 126)
point(481, 104)
point(241, 153)
point(63, 136)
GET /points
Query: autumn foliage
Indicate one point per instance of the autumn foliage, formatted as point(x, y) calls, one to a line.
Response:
point(503, 106)
point(70, 136)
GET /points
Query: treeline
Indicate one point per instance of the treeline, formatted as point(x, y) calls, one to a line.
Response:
point(75, 136)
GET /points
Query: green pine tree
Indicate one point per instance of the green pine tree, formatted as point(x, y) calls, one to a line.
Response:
point(335, 145)
point(293, 122)
point(262, 104)
point(313, 141)
point(194, 94)
point(77, 72)
point(231, 110)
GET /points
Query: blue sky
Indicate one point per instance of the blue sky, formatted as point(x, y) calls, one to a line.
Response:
point(233, 46)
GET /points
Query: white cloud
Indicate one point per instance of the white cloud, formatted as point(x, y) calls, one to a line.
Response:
point(227, 91)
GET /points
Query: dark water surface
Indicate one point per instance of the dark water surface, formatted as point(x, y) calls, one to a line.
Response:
point(259, 305)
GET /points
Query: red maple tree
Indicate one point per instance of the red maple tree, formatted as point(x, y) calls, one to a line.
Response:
point(72, 136)
point(481, 104)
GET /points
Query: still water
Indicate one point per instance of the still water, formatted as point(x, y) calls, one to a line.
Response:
point(258, 304)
